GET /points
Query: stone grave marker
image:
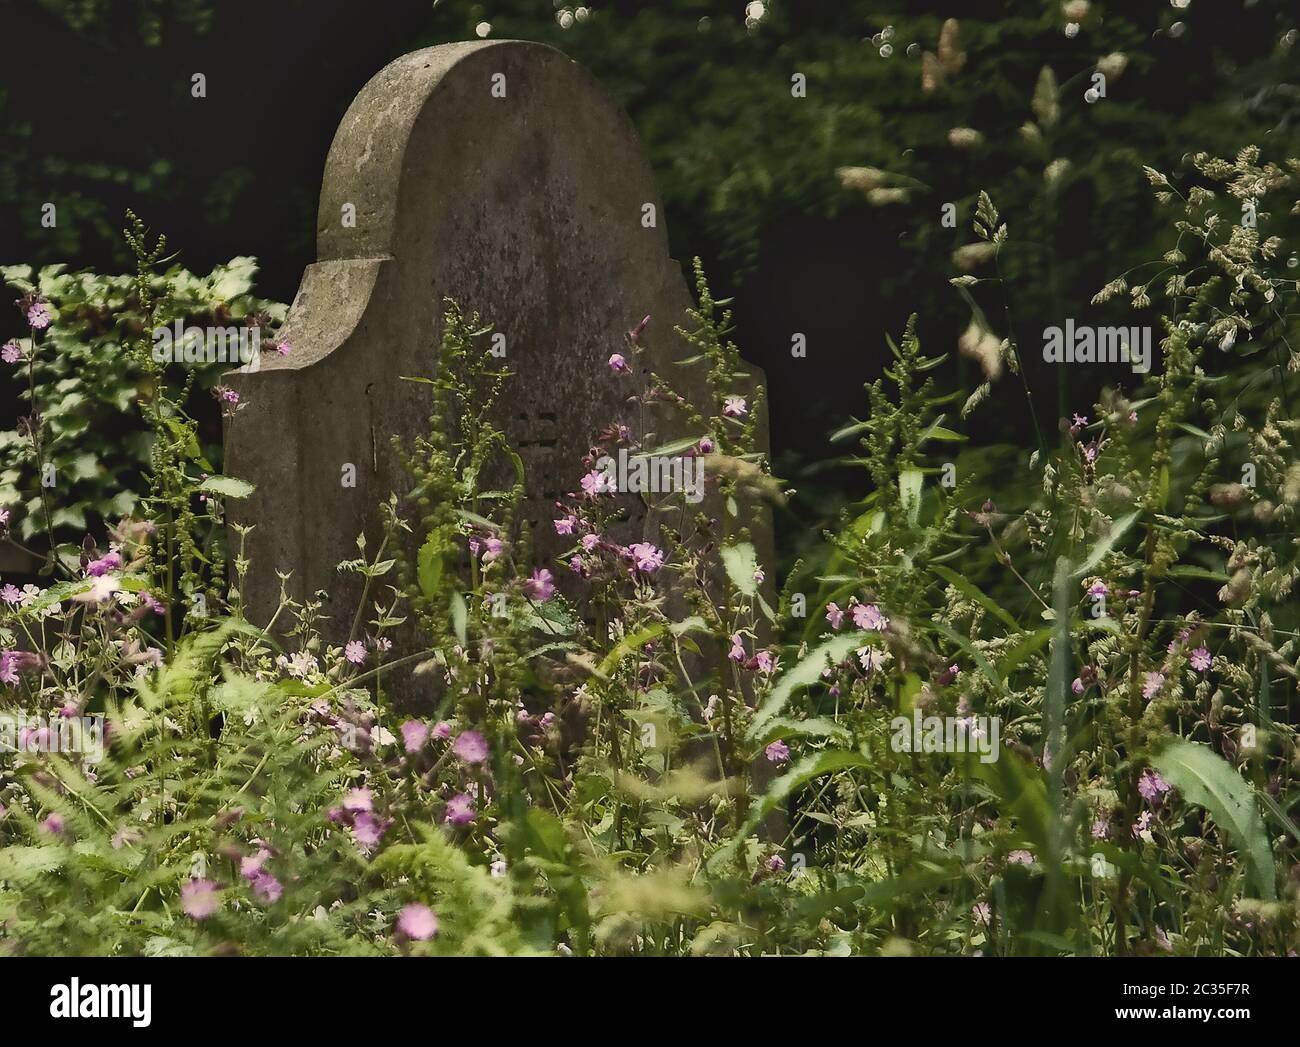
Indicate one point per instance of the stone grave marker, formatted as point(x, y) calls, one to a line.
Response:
point(496, 174)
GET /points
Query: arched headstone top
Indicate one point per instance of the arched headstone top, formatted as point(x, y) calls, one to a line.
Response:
point(433, 118)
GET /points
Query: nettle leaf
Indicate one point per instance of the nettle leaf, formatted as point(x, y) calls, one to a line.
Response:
point(460, 618)
point(910, 482)
point(741, 561)
point(429, 567)
point(806, 672)
point(1207, 780)
point(227, 486)
point(1099, 551)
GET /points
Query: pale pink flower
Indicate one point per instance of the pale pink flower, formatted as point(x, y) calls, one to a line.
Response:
point(368, 830)
point(101, 590)
point(834, 615)
point(414, 734)
point(1152, 786)
point(199, 899)
point(1201, 659)
point(778, 752)
point(735, 407)
point(540, 585)
point(737, 652)
point(1153, 683)
point(355, 652)
point(597, 482)
point(53, 824)
point(618, 365)
point(565, 524)
point(11, 594)
point(38, 316)
point(871, 658)
point(868, 616)
point(706, 445)
point(108, 562)
point(1020, 858)
point(460, 809)
point(589, 542)
point(646, 557)
point(11, 352)
point(775, 863)
point(1100, 829)
point(358, 800)
point(492, 548)
point(471, 747)
point(9, 668)
point(982, 912)
point(267, 888)
point(765, 661)
point(417, 922)
point(442, 730)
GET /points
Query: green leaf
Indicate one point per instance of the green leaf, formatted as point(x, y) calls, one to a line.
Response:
point(814, 727)
point(459, 618)
point(807, 671)
point(741, 561)
point(974, 592)
point(227, 486)
point(910, 482)
point(1103, 547)
point(778, 792)
point(1206, 779)
point(429, 567)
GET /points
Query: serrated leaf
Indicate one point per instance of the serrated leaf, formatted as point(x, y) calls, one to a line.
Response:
point(1206, 779)
point(741, 561)
point(227, 486)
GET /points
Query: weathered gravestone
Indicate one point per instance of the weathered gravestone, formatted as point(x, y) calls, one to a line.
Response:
point(495, 174)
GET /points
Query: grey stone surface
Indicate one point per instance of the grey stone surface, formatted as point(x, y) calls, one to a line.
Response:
point(525, 209)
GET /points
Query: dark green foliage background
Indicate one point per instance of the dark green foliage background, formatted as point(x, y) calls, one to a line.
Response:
point(96, 115)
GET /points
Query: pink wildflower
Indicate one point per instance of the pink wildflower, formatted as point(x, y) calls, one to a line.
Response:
point(735, 407)
point(417, 922)
point(540, 585)
point(38, 316)
point(199, 899)
point(460, 810)
point(414, 734)
point(868, 616)
point(267, 888)
point(1152, 786)
point(1201, 659)
point(646, 557)
point(597, 482)
point(778, 752)
point(471, 747)
point(368, 830)
point(355, 652)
